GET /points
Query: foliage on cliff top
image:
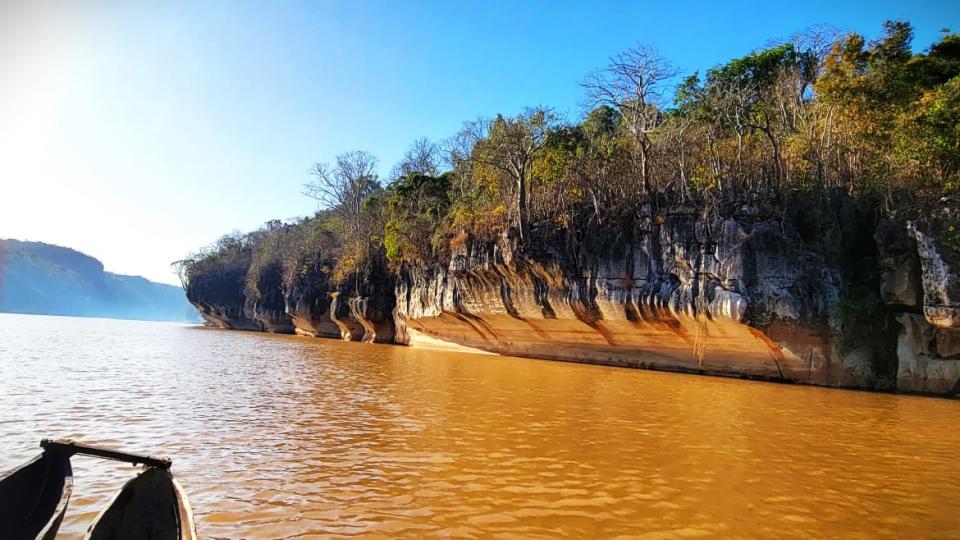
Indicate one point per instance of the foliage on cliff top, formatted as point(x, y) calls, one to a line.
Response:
point(416, 208)
point(819, 111)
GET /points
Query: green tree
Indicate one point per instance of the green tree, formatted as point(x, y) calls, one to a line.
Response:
point(416, 208)
point(509, 149)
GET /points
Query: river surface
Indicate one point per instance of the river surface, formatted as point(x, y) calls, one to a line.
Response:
point(282, 436)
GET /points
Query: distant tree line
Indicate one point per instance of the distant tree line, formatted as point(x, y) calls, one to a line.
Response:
point(821, 110)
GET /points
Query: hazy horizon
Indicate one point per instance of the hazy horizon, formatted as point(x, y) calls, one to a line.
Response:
point(139, 133)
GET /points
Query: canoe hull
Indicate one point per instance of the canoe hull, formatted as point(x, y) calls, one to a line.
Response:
point(34, 497)
point(152, 506)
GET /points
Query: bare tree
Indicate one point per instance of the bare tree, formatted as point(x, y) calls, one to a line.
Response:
point(817, 40)
point(423, 157)
point(815, 43)
point(181, 267)
point(673, 147)
point(458, 150)
point(344, 186)
point(633, 84)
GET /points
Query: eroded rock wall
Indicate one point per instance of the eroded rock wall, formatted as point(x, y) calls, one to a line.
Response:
point(268, 306)
point(921, 284)
point(309, 309)
point(220, 299)
point(814, 291)
point(361, 309)
point(744, 295)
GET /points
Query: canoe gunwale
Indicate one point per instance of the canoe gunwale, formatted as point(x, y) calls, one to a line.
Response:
point(188, 527)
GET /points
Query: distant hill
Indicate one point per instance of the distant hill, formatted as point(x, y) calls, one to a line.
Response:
point(45, 279)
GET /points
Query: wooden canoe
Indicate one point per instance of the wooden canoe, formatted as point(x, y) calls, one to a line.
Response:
point(34, 496)
point(152, 506)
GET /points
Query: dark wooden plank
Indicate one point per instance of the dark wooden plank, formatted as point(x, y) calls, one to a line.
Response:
point(71, 447)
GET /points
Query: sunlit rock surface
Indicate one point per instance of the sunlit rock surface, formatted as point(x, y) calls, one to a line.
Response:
point(309, 310)
point(941, 284)
point(928, 343)
point(739, 296)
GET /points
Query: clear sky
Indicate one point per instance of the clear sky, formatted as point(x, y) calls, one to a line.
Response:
point(138, 132)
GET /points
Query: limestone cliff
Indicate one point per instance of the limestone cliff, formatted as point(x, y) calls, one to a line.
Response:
point(750, 294)
point(361, 309)
point(814, 291)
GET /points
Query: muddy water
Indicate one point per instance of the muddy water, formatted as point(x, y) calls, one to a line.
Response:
point(294, 437)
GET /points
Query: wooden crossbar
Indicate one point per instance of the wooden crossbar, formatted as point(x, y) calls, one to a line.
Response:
point(71, 447)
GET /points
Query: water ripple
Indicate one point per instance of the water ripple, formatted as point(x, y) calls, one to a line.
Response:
point(293, 437)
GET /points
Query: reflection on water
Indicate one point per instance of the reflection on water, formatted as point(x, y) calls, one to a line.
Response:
point(283, 436)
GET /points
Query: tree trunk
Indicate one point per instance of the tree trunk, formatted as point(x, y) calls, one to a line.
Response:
point(522, 207)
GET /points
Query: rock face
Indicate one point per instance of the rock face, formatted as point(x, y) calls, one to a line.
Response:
point(808, 291)
point(928, 342)
point(941, 286)
point(312, 306)
point(309, 311)
point(220, 299)
point(746, 295)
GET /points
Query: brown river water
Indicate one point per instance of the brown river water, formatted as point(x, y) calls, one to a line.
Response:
point(282, 436)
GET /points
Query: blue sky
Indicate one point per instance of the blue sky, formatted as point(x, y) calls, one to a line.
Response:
point(138, 132)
